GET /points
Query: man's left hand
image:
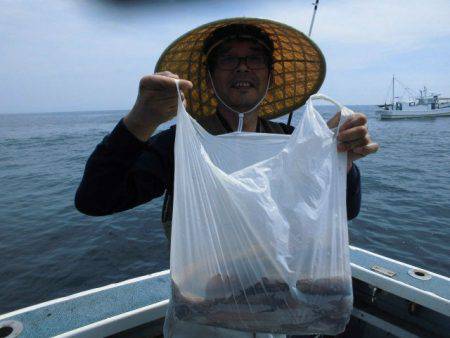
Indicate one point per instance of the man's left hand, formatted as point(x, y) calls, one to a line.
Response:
point(354, 137)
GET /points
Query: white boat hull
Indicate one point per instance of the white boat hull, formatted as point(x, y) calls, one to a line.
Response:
point(390, 114)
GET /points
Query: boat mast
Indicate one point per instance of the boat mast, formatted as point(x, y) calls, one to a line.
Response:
point(393, 91)
point(316, 4)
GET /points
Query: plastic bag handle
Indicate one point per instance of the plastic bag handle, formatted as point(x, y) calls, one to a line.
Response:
point(177, 84)
point(326, 98)
point(319, 96)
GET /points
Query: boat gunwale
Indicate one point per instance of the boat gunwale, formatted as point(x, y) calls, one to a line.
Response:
point(362, 261)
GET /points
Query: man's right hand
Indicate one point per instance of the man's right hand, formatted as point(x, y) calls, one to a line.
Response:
point(156, 103)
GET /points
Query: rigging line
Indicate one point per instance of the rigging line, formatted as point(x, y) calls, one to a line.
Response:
point(316, 4)
point(387, 93)
point(409, 90)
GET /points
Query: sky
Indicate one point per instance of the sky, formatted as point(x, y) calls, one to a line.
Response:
point(76, 55)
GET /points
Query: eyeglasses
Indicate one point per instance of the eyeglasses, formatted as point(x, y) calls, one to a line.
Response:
point(253, 62)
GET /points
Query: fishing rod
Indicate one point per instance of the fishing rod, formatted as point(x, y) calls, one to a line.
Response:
point(316, 4)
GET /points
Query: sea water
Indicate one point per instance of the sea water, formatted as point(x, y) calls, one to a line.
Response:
point(49, 250)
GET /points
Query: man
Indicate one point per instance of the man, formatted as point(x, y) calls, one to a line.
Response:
point(237, 84)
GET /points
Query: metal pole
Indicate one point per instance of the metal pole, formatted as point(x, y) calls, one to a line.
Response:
point(316, 4)
point(393, 92)
point(314, 16)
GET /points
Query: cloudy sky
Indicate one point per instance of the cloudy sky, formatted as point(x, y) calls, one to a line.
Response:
point(70, 55)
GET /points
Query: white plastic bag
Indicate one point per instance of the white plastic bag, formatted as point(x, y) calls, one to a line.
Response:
point(259, 230)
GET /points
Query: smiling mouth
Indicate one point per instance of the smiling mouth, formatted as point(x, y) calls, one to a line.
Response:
point(242, 84)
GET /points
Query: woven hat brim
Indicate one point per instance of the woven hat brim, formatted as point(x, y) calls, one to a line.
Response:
point(298, 71)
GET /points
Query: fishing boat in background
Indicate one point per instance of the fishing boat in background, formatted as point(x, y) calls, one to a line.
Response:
point(424, 105)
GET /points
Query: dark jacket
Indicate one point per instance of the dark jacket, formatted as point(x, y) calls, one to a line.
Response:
point(124, 172)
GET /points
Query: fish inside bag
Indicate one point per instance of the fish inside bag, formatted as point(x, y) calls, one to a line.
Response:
point(259, 230)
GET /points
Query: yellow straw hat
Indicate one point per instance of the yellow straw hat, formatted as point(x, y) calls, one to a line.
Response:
point(298, 67)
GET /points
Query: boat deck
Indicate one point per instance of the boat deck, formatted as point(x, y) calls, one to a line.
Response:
point(422, 298)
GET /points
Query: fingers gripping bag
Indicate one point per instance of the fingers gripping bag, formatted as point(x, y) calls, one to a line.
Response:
point(259, 230)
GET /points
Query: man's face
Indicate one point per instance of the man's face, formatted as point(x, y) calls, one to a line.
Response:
point(243, 87)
